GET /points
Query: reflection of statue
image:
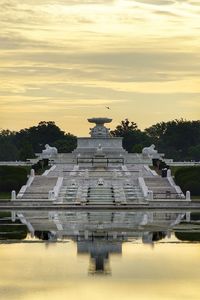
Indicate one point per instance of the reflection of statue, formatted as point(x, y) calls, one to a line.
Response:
point(49, 151)
point(100, 250)
point(147, 151)
point(100, 181)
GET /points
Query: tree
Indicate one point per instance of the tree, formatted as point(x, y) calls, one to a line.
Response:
point(156, 132)
point(26, 151)
point(188, 179)
point(174, 138)
point(131, 135)
point(38, 136)
point(26, 142)
point(194, 152)
point(67, 144)
point(137, 148)
point(124, 128)
point(8, 151)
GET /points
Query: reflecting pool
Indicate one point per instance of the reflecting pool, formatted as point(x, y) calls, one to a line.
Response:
point(99, 255)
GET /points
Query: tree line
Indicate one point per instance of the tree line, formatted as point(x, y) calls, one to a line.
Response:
point(25, 143)
point(178, 139)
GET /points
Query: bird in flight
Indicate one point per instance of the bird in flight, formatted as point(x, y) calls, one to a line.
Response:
point(107, 107)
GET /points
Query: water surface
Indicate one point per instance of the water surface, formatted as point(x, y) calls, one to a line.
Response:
point(143, 256)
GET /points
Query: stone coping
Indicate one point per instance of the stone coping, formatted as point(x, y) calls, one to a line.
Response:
point(29, 205)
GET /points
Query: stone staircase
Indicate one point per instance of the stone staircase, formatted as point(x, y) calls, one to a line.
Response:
point(161, 187)
point(100, 195)
point(40, 187)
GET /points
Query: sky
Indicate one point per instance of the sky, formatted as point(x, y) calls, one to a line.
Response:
point(64, 61)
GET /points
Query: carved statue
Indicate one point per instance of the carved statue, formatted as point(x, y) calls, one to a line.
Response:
point(49, 151)
point(99, 151)
point(149, 151)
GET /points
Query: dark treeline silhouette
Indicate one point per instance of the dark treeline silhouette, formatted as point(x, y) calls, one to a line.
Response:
point(178, 139)
point(25, 143)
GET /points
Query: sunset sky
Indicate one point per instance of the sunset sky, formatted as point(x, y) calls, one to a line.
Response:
point(66, 60)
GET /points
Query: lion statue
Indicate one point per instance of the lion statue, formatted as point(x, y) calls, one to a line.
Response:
point(49, 151)
point(149, 151)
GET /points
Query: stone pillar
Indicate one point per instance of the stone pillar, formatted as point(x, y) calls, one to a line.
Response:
point(169, 173)
point(114, 235)
point(188, 196)
point(86, 234)
point(150, 195)
point(86, 175)
point(32, 173)
point(188, 217)
point(51, 195)
point(13, 195)
point(13, 216)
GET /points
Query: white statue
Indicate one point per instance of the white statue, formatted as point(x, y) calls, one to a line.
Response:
point(49, 151)
point(99, 151)
point(149, 151)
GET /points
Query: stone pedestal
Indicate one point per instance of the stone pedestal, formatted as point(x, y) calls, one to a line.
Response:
point(100, 137)
point(110, 146)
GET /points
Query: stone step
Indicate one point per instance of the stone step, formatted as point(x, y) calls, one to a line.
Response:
point(99, 189)
point(100, 202)
point(100, 197)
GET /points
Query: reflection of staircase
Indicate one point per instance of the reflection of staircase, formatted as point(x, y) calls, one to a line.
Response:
point(100, 195)
point(99, 217)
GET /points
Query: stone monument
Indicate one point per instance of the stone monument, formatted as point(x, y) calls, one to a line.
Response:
point(100, 131)
point(100, 141)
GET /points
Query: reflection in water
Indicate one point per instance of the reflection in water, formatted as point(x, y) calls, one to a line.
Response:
point(100, 233)
point(99, 254)
point(139, 249)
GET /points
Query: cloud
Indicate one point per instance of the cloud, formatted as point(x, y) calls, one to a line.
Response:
point(135, 60)
point(119, 66)
point(57, 53)
point(156, 2)
point(165, 13)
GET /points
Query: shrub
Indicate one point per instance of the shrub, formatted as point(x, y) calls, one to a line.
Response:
point(12, 178)
point(189, 179)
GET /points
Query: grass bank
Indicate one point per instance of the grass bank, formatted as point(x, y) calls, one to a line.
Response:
point(4, 196)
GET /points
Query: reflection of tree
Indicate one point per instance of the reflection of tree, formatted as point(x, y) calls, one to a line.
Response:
point(188, 236)
point(12, 230)
point(157, 236)
point(43, 235)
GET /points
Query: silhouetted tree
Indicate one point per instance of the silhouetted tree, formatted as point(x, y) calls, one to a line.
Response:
point(176, 137)
point(66, 144)
point(38, 136)
point(26, 151)
point(132, 136)
point(8, 151)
